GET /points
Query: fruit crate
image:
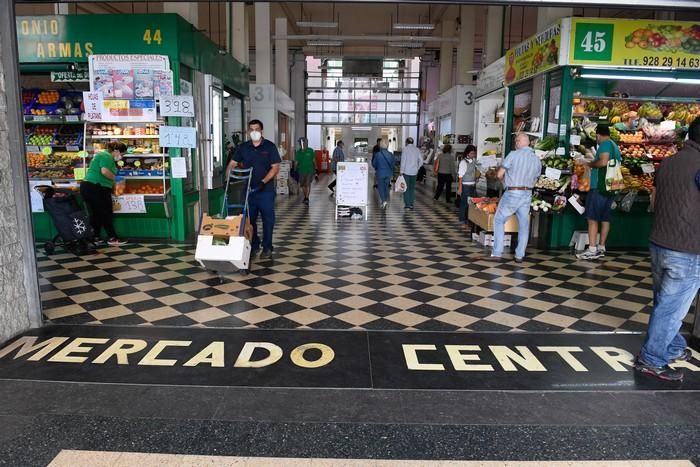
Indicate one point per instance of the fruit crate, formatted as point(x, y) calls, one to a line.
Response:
point(28, 98)
point(42, 135)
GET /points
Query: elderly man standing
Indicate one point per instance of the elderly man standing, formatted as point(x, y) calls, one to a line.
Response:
point(411, 162)
point(520, 168)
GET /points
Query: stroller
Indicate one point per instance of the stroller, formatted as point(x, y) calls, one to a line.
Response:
point(74, 230)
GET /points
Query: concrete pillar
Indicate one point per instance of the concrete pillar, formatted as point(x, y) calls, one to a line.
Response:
point(20, 305)
point(263, 49)
point(448, 27)
point(493, 38)
point(298, 94)
point(465, 48)
point(238, 36)
point(188, 11)
point(281, 56)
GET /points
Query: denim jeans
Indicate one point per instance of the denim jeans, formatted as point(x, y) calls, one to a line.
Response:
point(513, 202)
point(262, 203)
point(468, 191)
point(409, 196)
point(383, 181)
point(676, 278)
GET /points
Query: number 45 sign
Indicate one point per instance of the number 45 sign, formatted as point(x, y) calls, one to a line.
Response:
point(594, 41)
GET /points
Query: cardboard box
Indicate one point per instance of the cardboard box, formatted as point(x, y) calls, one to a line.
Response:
point(229, 227)
point(487, 239)
point(486, 220)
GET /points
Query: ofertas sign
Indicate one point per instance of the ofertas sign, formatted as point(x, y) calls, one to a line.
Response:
point(535, 55)
point(635, 43)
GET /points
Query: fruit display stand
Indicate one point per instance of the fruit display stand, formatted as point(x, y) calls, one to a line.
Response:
point(172, 204)
point(645, 70)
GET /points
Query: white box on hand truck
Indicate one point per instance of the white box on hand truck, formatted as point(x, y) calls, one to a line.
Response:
point(220, 247)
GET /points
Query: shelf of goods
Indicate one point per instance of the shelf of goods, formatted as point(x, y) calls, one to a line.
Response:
point(143, 169)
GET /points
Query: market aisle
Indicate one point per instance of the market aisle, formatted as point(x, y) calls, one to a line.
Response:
point(399, 270)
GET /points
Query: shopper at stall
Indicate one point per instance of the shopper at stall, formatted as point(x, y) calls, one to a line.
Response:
point(338, 156)
point(96, 190)
point(305, 161)
point(599, 204)
point(411, 162)
point(383, 164)
point(375, 150)
point(519, 171)
point(444, 169)
point(675, 259)
point(467, 175)
point(260, 154)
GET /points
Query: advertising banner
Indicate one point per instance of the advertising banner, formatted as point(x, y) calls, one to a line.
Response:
point(635, 43)
point(535, 55)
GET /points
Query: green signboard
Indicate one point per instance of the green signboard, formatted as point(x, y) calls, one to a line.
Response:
point(72, 38)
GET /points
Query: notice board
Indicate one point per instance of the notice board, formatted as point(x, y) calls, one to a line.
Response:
point(352, 184)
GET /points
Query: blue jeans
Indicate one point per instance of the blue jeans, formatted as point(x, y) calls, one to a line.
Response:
point(262, 203)
point(676, 278)
point(513, 202)
point(383, 186)
point(468, 191)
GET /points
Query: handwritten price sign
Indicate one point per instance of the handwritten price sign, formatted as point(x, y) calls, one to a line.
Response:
point(178, 137)
point(129, 204)
point(176, 106)
point(94, 106)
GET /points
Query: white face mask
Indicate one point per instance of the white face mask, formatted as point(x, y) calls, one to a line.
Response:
point(255, 135)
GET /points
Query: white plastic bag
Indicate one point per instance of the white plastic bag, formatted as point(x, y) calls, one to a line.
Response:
point(400, 185)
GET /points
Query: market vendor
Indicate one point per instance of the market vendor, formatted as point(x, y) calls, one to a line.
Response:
point(520, 171)
point(96, 190)
point(262, 155)
point(630, 122)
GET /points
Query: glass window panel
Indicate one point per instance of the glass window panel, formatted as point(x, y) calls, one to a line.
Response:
point(378, 106)
point(410, 118)
point(314, 82)
point(393, 107)
point(345, 94)
point(330, 117)
point(314, 95)
point(393, 118)
point(346, 106)
point(411, 107)
point(330, 105)
point(330, 95)
point(314, 105)
point(394, 96)
point(345, 118)
point(414, 83)
point(315, 117)
point(378, 118)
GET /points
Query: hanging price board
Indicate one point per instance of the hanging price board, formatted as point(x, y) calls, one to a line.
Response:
point(178, 137)
point(128, 204)
point(648, 168)
point(176, 106)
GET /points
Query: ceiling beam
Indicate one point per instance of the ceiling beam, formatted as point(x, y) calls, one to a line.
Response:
point(290, 17)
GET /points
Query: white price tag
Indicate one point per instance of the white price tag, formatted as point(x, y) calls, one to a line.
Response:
point(648, 168)
point(575, 140)
point(552, 128)
point(552, 174)
point(32, 148)
point(176, 106)
point(129, 204)
point(560, 151)
point(178, 137)
point(72, 118)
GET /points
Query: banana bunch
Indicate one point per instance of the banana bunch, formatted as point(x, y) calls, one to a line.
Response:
point(650, 111)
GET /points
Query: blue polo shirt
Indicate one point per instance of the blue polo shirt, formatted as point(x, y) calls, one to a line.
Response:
point(260, 158)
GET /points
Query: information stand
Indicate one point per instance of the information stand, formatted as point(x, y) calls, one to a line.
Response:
point(352, 185)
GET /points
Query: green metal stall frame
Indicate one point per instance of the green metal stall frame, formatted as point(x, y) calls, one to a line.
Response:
point(58, 43)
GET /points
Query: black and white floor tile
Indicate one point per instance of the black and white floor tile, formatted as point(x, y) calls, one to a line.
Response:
point(403, 270)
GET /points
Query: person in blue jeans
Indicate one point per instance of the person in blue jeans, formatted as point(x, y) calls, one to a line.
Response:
point(675, 260)
point(383, 163)
point(262, 155)
point(520, 170)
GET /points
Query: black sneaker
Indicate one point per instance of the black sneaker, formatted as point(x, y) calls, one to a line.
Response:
point(685, 356)
point(306, 200)
point(266, 254)
point(664, 373)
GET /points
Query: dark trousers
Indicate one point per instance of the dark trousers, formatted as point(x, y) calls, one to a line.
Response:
point(99, 202)
point(444, 181)
point(468, 191)
point(331, 185)
point(262, 203)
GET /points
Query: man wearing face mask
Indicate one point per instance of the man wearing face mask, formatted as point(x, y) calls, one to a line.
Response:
point(262, 155)
point(96, 190)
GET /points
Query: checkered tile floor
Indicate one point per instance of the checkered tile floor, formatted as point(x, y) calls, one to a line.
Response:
point(399, 270)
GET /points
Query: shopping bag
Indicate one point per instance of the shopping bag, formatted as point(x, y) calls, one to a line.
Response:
point(400, 185)
point(628, 201)
point(613, 180)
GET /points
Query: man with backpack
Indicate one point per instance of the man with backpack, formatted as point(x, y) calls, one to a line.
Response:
point(598, 200)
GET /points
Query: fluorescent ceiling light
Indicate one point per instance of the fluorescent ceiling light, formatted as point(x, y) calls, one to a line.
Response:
point(661, 79)
point(317, 24)
point(321, 43)
point(422, 26)
point(406, 44)
point(361, 128)
point(688, 80)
